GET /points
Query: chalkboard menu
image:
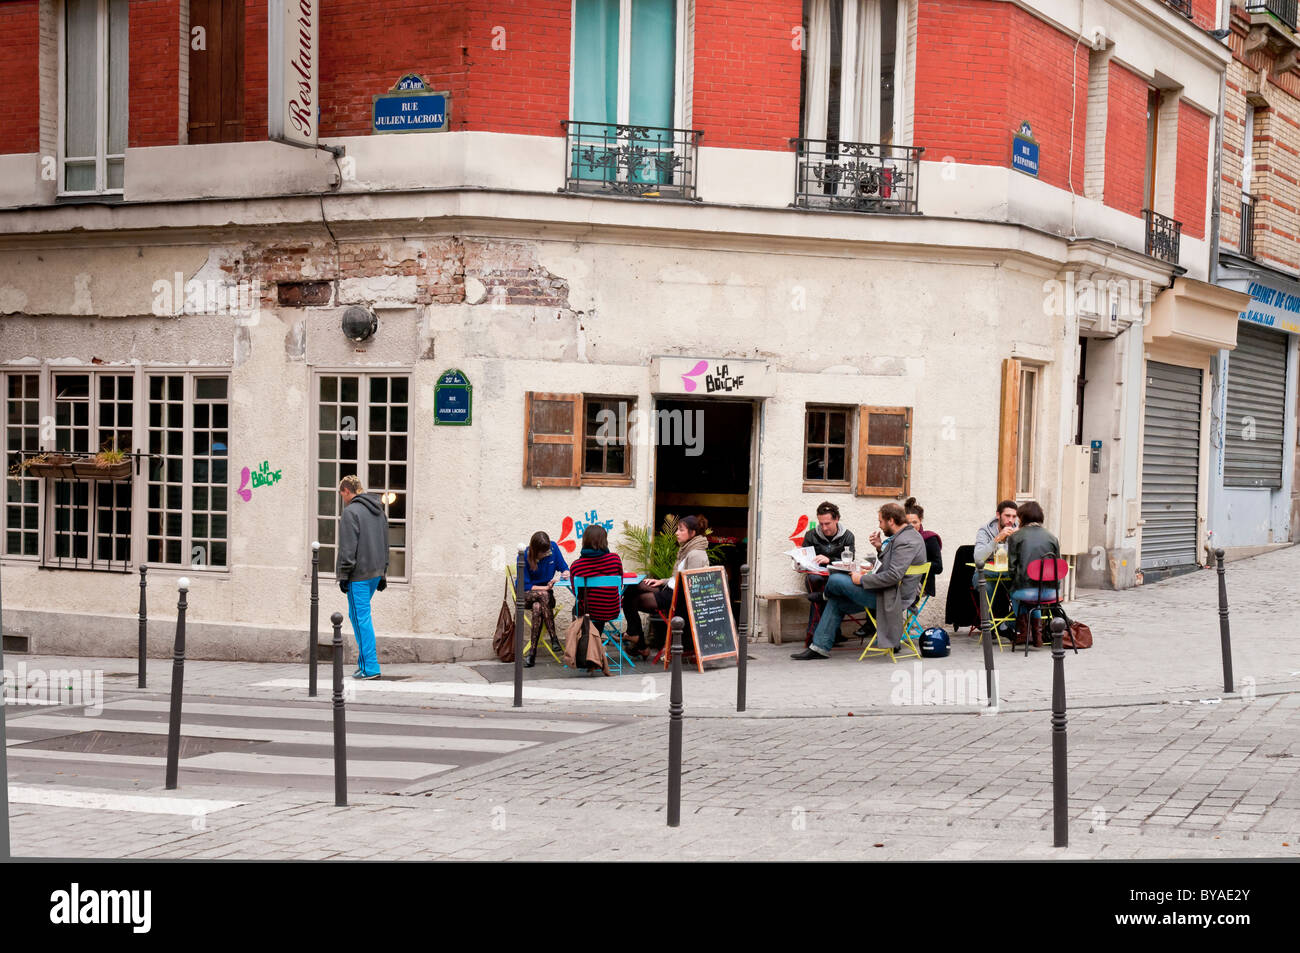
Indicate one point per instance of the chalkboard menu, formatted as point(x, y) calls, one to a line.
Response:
point(708, 612)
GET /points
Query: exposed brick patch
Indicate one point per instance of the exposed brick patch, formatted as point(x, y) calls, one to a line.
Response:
point(511, 275)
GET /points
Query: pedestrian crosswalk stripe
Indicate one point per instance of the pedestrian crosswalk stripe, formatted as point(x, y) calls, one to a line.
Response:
point(244, 763)
point(113, 801)
point(71, 723)
point(480, 691)
point(324, 713)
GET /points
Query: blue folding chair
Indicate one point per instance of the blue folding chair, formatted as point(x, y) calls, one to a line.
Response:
point(610, 632)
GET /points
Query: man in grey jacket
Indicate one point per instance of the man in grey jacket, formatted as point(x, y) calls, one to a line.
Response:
point(887, 592)
point(996, 530)
point(362, 565)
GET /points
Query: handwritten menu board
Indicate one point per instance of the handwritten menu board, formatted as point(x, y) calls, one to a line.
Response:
point(708, 613)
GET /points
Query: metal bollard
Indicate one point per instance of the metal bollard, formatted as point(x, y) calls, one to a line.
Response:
point(675, 730)
point(1225, 640)
point(1060, 769)
point(178, 686)
point(340, 728)
point(519, 627)
point(986, 635)
point(144, 629)
point(315, 620)
point(4, 764)
point(742, 658)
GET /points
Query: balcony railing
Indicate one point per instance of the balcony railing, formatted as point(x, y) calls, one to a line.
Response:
point(644, 161)
point(1284, 10)
point(1247, 240)
point(1163, 235)
point(856, 176)
point(1182, 6)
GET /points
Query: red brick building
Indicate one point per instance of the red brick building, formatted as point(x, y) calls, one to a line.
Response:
point(939, 240)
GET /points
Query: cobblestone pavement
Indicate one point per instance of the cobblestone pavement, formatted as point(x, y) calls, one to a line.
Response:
point(1172, 780)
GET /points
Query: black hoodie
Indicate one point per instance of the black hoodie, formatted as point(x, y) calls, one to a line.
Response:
point(363, 539)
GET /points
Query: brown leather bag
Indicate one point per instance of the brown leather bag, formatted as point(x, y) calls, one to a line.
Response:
point(503, 639)
point(1077, 636)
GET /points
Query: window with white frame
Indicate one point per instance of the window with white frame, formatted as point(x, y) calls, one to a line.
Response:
point(1026, 445)
point(20, 431)
point(188, 489)
point(362, 429)
point(854, 68)
point(93, 57)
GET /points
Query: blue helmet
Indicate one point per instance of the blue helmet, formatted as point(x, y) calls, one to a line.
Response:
point(935, 643)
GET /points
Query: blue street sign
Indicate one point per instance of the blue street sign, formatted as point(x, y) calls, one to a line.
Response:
point(411, 107)
point(453, 399)
point(1024, 151)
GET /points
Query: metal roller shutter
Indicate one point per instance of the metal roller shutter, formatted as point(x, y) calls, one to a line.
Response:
point(1256, 409)
point(1171, 453)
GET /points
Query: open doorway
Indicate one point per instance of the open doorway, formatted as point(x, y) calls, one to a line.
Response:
point(708, 472)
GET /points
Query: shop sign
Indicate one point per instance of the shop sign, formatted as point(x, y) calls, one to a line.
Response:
point(712, 377)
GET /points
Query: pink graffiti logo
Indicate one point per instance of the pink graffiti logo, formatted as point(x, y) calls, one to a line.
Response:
point(244, 493)
point(695, 371)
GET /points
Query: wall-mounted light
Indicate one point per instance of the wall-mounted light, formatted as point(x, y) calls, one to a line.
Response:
point(389, 498)
point(359, 324)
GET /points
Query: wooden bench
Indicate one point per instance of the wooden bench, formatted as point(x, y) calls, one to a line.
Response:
point(774, 600)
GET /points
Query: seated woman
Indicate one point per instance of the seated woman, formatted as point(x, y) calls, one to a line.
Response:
point(541, 564)
point(1028, 543)
point(933, 544)
point(656, 595)
point(599, 602)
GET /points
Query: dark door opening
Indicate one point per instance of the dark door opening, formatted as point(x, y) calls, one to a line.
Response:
point(702, 467)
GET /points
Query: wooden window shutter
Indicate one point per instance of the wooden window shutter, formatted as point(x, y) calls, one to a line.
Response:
point(552, 439)
point(884, 451)
point(217, 72)
point(1008, 436)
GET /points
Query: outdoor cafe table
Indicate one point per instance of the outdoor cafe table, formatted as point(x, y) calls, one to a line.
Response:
point(996, 580)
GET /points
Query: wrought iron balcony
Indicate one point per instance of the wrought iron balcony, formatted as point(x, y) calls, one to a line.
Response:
point(644, 161)
point(1283, 10)
point(856, 176)
point(1246, 243)
point(1163, 236)
point(1182, 6)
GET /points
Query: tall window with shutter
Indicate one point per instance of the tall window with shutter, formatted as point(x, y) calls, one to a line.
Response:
point(217, 72)
point(884, 451)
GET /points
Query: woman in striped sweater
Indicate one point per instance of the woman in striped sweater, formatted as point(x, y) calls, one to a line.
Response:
point(601, 602)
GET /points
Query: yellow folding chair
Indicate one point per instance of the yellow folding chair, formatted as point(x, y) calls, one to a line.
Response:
point(528, 625)
point(908, 645)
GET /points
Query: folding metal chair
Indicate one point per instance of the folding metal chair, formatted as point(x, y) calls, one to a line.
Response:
point(610, 633)
point(909, 644)
point(1045, 572)
point(528, 624)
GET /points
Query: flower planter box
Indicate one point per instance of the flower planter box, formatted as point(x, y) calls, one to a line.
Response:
point(60, 469)
point(89, 470)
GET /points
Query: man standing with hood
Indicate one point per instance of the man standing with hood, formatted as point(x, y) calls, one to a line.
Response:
point(362, 565)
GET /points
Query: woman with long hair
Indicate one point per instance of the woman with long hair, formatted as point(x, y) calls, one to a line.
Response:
point(656, 595)
point(541, 564)
point(599, 602)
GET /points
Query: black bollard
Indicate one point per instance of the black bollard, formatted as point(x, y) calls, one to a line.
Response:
point(1060, 770)
point(178, 686)
point(675, 730)
point(1225, 640)
point(743, 657)
point(340, 729)
point(315, 620)
point(144, 629)
point(519, 627)
point(986, 635)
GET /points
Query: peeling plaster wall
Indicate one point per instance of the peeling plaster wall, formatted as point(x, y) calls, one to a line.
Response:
point(573, 317)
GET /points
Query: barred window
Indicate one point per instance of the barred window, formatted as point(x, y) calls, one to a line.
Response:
point(21, 431)
point(362, 429)
point(188, 494)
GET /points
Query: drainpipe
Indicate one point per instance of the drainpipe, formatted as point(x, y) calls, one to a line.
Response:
point(1225, 13)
